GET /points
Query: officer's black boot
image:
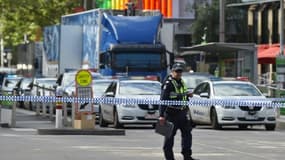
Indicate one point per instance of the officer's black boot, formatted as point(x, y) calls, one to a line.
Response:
point(187, 156)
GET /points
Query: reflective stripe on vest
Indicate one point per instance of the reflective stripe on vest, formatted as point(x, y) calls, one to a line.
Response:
point(182, 90)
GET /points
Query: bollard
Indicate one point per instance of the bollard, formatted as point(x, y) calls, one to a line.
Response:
point(37, 103)
point(44, 104)
point(73, 114)
point(50, 104)
point(65, 121)
point(13, 116)
point(59, 106)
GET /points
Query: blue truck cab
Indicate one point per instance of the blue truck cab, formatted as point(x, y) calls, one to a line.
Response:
point(121, 45)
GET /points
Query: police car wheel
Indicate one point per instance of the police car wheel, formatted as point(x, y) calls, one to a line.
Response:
point(117, 124)
point(102, 122)
point(270, 127)
point(214, 119)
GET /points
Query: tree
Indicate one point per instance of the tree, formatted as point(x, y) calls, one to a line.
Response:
point(206, 26)
point(20, 17)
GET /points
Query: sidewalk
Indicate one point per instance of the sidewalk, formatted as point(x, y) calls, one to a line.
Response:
point(45, 126)
point(29, 119)
point(281, 122)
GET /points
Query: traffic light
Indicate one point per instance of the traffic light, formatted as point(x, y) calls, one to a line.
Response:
point(7, 56)
point(130, 9)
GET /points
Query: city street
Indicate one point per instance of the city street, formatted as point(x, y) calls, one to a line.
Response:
point(141, 143)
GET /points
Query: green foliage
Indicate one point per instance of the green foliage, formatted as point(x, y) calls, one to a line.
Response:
point(282, 111)
point(206, 26)
point(19, 17)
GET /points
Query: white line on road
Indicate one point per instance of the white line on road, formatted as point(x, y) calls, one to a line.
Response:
point(24, 129)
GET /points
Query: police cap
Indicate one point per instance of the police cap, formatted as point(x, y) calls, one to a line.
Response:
point(177, 67)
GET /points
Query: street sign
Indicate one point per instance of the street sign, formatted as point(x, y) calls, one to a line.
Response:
point(84, 117)
point(83, 78)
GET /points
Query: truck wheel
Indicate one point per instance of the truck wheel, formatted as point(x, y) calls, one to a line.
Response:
point(117, 124)
point(214, 119)
point(102, 122)
point(270, 127)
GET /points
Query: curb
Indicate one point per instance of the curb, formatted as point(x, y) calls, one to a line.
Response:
point(82, 132)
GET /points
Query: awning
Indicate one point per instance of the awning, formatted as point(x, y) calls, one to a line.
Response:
point(256, 2)
point(267, 53)
point(220, 47)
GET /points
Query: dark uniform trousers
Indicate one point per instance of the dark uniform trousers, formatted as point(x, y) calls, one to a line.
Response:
point(181, 120)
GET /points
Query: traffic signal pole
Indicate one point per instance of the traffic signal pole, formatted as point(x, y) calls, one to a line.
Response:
point(1, 50)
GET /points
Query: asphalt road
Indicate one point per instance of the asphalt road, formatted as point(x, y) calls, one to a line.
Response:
point(141, 143)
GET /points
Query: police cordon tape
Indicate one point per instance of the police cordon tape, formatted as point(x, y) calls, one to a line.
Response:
point(266, 102)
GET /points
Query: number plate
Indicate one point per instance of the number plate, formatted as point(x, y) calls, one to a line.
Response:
point(251, 117)
point(151, 116)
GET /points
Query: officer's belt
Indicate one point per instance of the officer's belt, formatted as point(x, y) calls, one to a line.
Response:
point(178, 107)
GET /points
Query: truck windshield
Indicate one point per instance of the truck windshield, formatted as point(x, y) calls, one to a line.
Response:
point(138, 61)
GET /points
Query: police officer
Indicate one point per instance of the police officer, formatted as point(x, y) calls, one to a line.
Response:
point(174, 88)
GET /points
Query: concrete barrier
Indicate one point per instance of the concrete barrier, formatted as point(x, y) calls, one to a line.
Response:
point(72, 131)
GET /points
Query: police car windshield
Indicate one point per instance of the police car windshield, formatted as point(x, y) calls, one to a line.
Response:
point(99, 87)
point(235, 89)
point(139, 88)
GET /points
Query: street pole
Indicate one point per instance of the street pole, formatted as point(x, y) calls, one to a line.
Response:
point(222, 21)
point(1, 50)
point(281, 27)
point(280, 60)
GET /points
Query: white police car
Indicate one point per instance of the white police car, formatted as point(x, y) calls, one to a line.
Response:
point(120, 114)
point(241, 115)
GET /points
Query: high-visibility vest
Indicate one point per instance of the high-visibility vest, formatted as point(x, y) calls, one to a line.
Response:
point(179, 91)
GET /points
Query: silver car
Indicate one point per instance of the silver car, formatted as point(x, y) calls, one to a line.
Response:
point(98, 87)
point(240, 115)
point(120, 114)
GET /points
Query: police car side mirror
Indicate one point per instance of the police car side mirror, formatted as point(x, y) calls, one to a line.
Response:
point(109, 94)
point(204, 95)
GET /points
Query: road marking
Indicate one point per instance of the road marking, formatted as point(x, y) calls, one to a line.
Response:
point(24, 129)
point(9, 135)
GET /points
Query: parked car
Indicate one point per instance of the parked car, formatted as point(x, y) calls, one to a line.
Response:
point(23, 88)
point(66, 83)
point(192, 79)
point(8, 86)
point(120, 114)
point(220, 115)
point(98, 87)
point(42, 87)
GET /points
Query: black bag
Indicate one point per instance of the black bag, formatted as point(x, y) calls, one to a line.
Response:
point(164, 130)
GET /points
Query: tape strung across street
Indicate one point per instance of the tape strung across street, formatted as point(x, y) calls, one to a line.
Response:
point(269, 102)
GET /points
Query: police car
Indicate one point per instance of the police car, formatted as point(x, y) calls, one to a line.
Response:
point(221, 115)
point(120, 114)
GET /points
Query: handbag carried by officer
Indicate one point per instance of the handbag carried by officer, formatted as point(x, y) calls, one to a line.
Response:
point(164, 130)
